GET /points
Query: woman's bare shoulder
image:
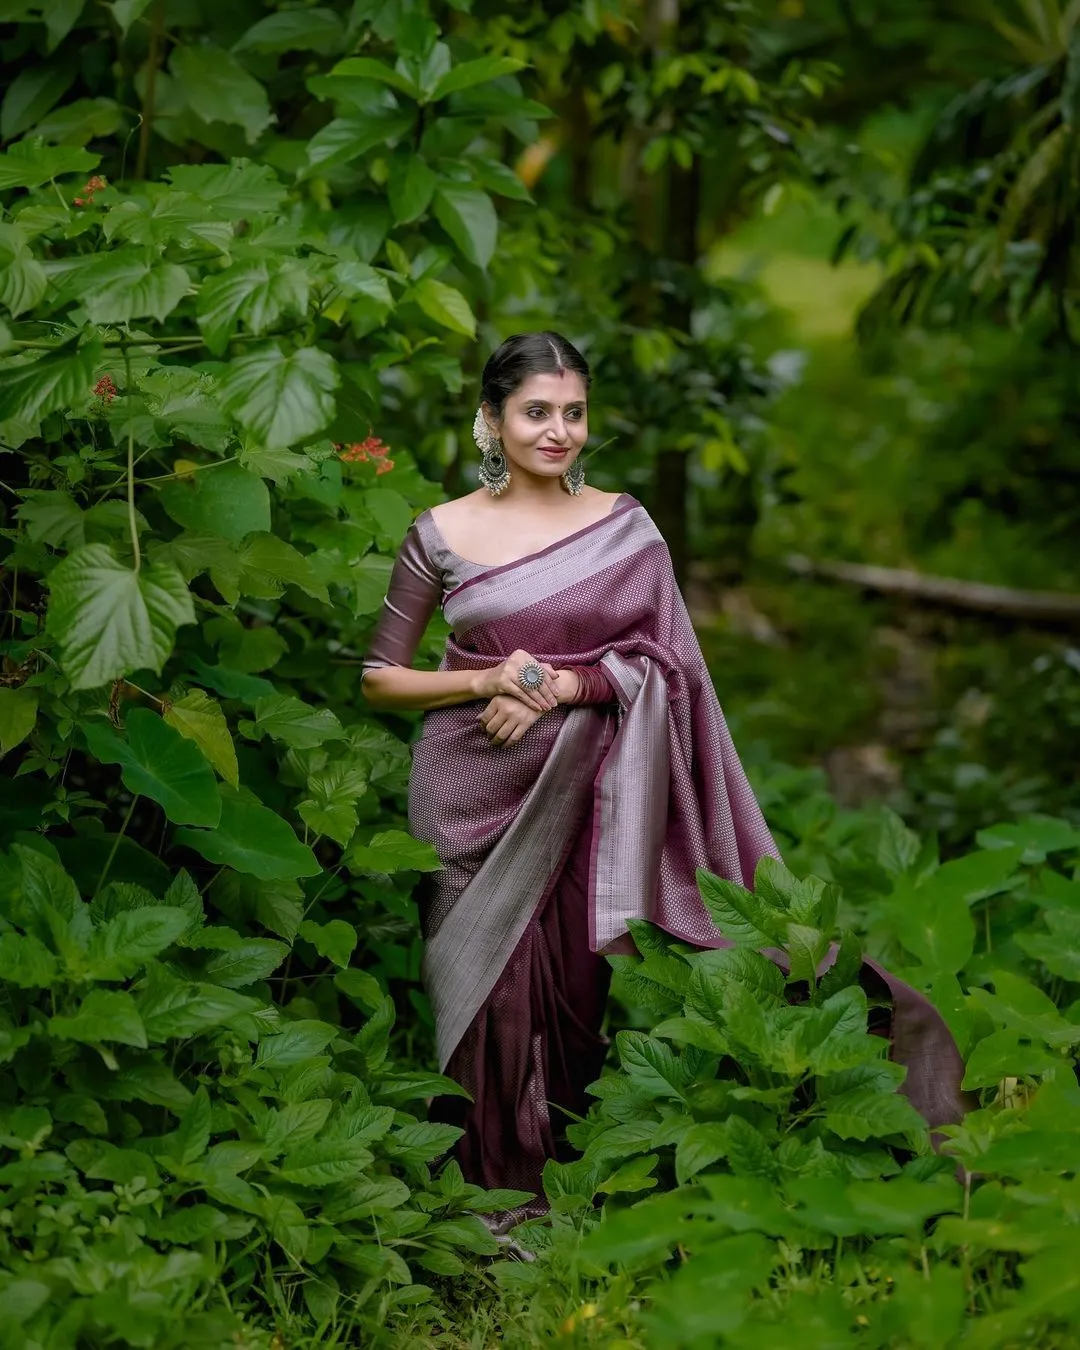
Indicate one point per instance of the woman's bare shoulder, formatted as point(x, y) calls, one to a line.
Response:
point(460, 511)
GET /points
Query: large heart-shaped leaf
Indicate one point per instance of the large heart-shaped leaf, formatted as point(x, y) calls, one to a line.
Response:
point(156, 761)
point(109, 619)
point(228, 501)
point(61, 379)
point(255, 294)
point(130, 283)
point(281, 399)
point(253, 839)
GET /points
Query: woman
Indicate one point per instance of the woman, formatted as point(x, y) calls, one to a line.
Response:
point(574, 769)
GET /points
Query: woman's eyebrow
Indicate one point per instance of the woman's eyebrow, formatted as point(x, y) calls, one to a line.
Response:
point(543, 403)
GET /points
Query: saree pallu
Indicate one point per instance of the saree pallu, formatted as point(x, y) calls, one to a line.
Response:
point(600, 814)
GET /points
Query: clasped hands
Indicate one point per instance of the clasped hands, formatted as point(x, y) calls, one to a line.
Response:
point(511, 710)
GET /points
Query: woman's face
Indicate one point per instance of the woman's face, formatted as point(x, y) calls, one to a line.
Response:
point(545, 424)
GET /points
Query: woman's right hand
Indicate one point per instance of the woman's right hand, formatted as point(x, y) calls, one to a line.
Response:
point(503, 679)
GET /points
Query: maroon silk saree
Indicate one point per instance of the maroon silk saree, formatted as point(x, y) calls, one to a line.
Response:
point(600, 814)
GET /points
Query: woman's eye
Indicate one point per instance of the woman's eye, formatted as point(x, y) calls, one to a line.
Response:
point(576, 414)
point(536, 412)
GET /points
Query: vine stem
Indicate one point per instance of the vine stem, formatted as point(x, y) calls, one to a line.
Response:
point(116, 844)
point(131, 469)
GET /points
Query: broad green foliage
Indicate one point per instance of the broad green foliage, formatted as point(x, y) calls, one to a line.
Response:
point(792, 1183)
point(206, 910)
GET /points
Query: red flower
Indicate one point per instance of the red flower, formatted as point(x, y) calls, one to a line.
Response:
point(105, 389)
point(361, 452)
point(94, 184)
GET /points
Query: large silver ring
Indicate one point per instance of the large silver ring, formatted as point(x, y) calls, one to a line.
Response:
point(531, 677)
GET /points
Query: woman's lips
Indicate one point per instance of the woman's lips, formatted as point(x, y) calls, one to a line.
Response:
point(555, 451)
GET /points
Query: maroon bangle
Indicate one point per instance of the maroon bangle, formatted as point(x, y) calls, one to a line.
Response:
point(593, 685)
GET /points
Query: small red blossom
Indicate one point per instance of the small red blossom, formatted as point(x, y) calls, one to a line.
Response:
point(365, 451)
point(105, 389)
point(93, 185)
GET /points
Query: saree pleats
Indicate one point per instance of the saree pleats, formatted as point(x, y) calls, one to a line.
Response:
point(599, 815)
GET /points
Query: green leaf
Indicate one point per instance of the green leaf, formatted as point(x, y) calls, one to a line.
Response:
point(311, 30)
point(347, 138)
point(26, 961)
point(103, 1015)
point(120, 947)
point(84, 119)
point(469, 218)
point(228, 501)
point(295, 723)
point(1004, 1054)
point(199, 718)
point(250, 960)
point(934, 922)
point(174, 1009)
point(330, 807)
point(748, 1150)
point(60, 380)
point(392, 851)
point(1036, 835)
point(370, 578)
point(422, 1142)
point(299, 1042)
point(128, 12)
point(28, 164)
point(18, 715)
point(31, 94)
point(156, 761)
point(807, 948)
point(445, 305)
point(193, 1133)
point(23, 281)
point(335, 940)
point(470, 73)
point(256, 294)
point(60, 18)
point(281, 399)
point(219, 89)
point(110, 620)
point(738, 913)
point(365, 68)
point(129, 283)
point(700, 1147)
point(412, 183)
point(295, 1124)
point(233, 191)
point(327, 1163)
point(651, 1064)
point(864, 1113)
point(497, 177)
point(253, 839)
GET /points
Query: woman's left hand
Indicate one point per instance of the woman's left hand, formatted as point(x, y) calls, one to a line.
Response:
point(506, 719)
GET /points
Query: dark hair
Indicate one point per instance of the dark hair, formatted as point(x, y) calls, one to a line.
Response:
point(527, 354)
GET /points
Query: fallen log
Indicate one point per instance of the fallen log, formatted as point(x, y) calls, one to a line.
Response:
point(1005, 601)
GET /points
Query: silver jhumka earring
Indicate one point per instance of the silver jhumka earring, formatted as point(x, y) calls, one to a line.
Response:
point(494, 473)
point(573, 480)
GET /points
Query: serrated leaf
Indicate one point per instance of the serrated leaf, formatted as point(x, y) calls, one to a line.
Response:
point(199, 718)
point(26, 961)
point(250, 960)
point(234, 191)
point(748, 1150)
point(59, 380)
point(297, 724)
point(267, 564)
point(651, 1064)
point(157, 762)
point(295, 1124)
point(255, 294)
point(394, 851)
point(327, 1163)
point(29, 163)
point(445, 305)
point(281, 399)
point(193, 1133)
point(300, 1041)
point(335, 940)
point(254, 839)
point(739, 914)
point(865, 1114)
point(103, 1015)
point(130, 283)
point(422, 1142)
point(122, 945)
point(176, 1009)
point(111, 620)
point(22, 278)
point(469, 218)
point(219, 89)
point(18, 715)
point(702, 1145)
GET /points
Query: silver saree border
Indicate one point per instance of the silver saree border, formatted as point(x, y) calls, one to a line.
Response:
point(472, 946)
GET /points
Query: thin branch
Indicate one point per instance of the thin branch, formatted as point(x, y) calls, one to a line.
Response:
point(153, 61)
